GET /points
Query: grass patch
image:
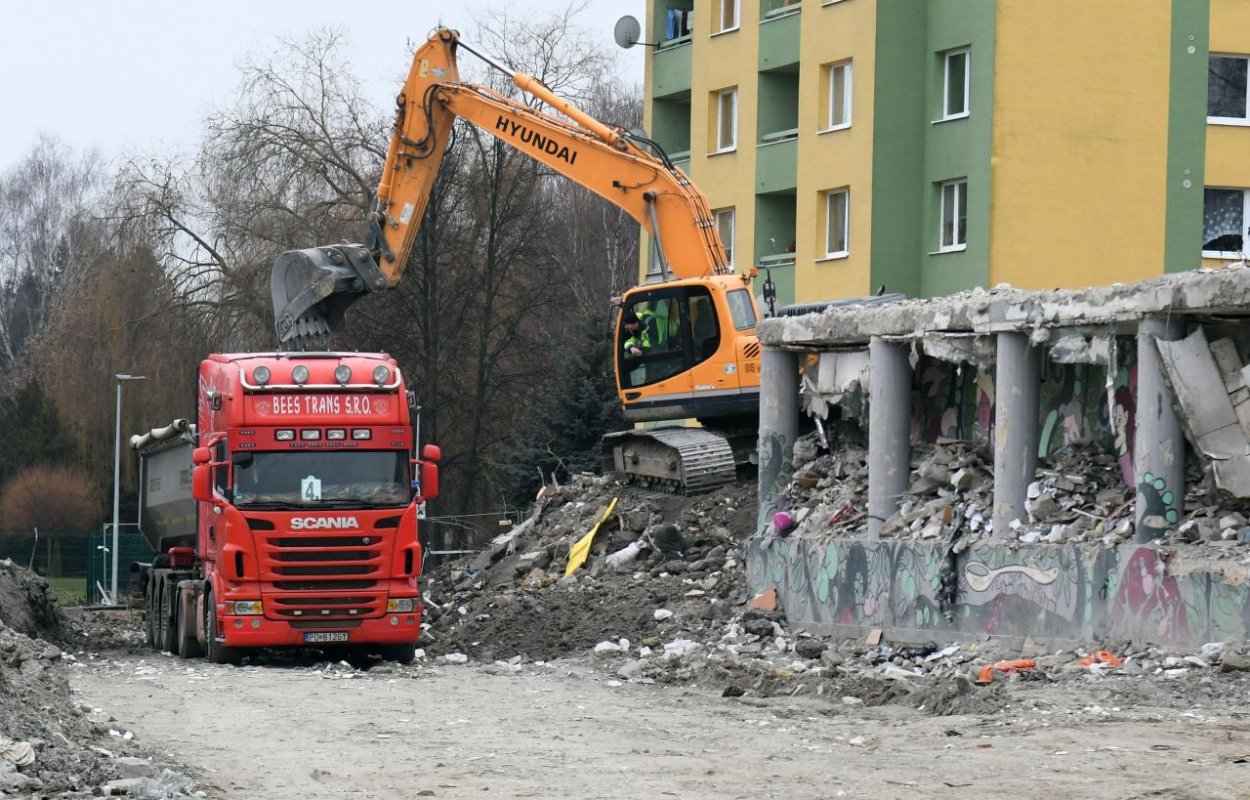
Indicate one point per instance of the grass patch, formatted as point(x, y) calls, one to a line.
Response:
point(70, 591)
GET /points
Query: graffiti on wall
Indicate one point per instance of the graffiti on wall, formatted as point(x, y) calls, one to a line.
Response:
point(1081, 405)
point(776, 470)
point(1045, 592)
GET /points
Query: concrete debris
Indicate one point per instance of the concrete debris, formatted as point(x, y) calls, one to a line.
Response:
point(51, 746)
point(1207, 384)
point(658, 564)
point(1004, 308)
point(1078, 496)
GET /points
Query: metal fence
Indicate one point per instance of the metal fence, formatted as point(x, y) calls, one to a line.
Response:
point(56, 555)
point(131, 547)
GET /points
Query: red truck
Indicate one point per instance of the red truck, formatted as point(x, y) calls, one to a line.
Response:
point(286, 515)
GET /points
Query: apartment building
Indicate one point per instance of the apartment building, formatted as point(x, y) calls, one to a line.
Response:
point(932, 146)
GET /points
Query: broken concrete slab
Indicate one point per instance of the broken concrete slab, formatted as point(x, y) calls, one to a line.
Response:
point(1197, 377)
point(1117, 307)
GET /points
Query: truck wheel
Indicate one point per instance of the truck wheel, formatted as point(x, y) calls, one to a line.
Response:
point(167, 638)
point(399, 653)
point(216, 652)
point(188, 644)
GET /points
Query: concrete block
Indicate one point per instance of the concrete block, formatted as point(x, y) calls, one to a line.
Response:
point(1228, 361)
point(1206, 410)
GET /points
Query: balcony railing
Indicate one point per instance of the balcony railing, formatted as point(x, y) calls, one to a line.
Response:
point(779, 8)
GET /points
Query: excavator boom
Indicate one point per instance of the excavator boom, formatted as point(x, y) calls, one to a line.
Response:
point(685, 346)
point(312, 288)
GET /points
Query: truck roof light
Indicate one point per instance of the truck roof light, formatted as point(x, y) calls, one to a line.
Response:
point(261, 375)
point(299, 374)
point(381, 374)
point(284, 435)
point(336, 434)
point(310, 434)
point(361, 433)
point(343, 374)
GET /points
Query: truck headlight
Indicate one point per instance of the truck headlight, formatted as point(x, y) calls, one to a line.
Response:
point(246, 607)
point(400, 604)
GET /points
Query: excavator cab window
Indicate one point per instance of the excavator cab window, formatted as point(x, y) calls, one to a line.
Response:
point(678, 329)
point(742, 310)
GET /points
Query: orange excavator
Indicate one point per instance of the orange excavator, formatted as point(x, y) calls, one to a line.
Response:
point(690, 349)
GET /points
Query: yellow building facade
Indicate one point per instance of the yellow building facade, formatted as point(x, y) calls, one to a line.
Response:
point(929, 146)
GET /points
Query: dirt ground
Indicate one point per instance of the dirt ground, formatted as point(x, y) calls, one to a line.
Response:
point(570, 729)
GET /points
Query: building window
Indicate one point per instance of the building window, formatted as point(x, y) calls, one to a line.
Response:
point(954, 216)
point(1226, 90)
point(837, 223)
point(839, 96)
point(1224, 216)
point(726, 120)
point(725, 229)
point(726, 15)
point(956, 83)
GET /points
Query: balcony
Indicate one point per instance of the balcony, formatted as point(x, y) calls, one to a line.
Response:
point(670, 68)
point(779, 34)
point(776, 162)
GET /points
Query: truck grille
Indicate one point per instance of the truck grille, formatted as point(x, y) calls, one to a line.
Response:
point(325, 577)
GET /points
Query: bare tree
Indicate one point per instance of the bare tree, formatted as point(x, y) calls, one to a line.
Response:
point(44, 210)
point(54, 500)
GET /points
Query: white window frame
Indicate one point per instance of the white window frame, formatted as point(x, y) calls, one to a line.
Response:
point(960, 186)
point(847, 99)
point(723, 96)
point(1231, 255)
point(845, 193)
point(947, 57)
point(720, 7)
point(729, 214)
point(1242, 121)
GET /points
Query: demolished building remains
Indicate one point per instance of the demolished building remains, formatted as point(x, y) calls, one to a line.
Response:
point(1012, 463)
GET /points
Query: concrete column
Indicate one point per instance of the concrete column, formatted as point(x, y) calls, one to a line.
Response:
point(889, 430)
point(1159, 445)
point(1016, 388)
point(779, 427)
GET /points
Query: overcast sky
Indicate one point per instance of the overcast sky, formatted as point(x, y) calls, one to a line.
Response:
point(139, 75)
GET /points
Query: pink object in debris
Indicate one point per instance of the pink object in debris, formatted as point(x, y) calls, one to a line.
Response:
point(782, 522)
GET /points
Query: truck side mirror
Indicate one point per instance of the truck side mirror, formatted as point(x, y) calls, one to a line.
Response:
point(429, 479)
point(201, 479)
point(432, 452)
point(201, 455)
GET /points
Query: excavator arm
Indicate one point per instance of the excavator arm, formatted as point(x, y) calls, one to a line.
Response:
point(312, 288)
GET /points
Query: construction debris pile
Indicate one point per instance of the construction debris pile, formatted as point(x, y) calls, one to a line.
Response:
point(1079, 495)
point(50, 746)
point(662, 600)
point(652, 557)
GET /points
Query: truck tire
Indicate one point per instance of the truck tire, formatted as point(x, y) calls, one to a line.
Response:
point(188, 644)
point(214, 651)
point(167, 636)
point(399, 653)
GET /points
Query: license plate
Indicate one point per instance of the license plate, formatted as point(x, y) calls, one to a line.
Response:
point(322, 638)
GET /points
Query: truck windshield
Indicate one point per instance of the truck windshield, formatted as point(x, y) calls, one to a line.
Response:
point(322, 478)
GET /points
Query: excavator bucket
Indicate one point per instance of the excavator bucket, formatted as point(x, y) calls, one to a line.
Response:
point(313, 288)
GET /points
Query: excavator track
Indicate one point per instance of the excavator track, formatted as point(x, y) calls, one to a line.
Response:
point(671, 460)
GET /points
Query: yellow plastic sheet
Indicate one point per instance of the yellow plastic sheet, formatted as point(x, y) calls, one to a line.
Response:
point(579, 551)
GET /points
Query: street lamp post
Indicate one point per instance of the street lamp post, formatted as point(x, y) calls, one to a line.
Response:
point(117, 473)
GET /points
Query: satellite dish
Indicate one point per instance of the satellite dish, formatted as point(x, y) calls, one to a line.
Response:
point(627, 32)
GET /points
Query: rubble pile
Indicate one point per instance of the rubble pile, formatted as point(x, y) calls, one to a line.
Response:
point(656, 562)
point(50, 746)
point(1079, 495)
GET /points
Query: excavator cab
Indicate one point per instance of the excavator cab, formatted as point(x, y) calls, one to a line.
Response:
point(678, 353)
